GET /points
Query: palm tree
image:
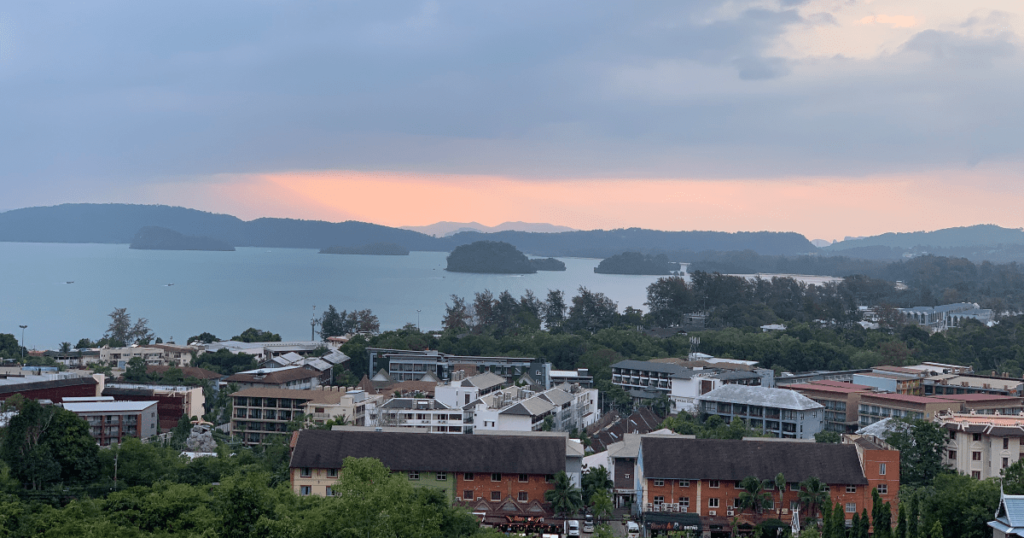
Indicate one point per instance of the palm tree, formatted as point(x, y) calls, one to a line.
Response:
point(566, 499)
point(596, 479)
point(754, 494)
point(780, 485)
point(813, 496)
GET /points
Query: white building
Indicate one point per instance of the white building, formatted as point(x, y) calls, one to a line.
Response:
point(520, 409)
point(420, 413)
point(981, 446)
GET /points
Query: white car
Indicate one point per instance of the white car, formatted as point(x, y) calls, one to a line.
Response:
point(632, 529)
point(572, 527)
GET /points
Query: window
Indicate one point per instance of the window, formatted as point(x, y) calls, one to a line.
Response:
point(737, 485)
point(881, 468)
point(330, 492)
point(467, 495)
point(952, 454)
point(306, 472)
point(495, 495)
point(495, 477)
point(442, 476)
point(851, 489)
point(794, 486)
point(414, 475)
point(1006, 462)
point(551, 478)
point(332, 473)
point(975, 437)
point(684, 501)
point(976, 456)
point(627, 476)
point(1006, 444)
point(976, 474)
point(468, 477)
point(769, 505)
point(712, 502)
point(883, 489)
point(524, 496)
point(713, 483)
point(770, 486)
point(828, 488)
point(659, 500)
point(305, 490)
point(524, 478)
point(851, 508)
point(659, 482)
point(682, 483)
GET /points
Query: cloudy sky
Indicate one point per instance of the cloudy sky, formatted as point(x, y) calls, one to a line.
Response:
point(825, 117)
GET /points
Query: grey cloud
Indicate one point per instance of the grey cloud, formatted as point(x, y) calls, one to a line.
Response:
point(967, 50)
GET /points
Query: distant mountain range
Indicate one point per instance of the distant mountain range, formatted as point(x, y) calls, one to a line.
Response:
point(119, 223)
point(446, 228)
point(984, 242)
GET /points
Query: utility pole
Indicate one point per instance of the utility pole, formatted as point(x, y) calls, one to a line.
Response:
point(23, 327)
point(418, 320)
point(312, 325)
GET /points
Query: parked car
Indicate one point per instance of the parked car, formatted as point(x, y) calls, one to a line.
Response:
point(572, 527)
point(632, 530)
point(588, 523)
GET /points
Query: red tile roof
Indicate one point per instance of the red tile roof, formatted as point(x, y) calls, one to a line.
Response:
point(841, 384)
point(980, 397)
point(908, 398)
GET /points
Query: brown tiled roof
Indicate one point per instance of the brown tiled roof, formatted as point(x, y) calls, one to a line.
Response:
point(643, 420)
point(413, 451)
point(315, 396)
point(275, 378)
point(186, 371)
point(907, 398)
point(718, 459)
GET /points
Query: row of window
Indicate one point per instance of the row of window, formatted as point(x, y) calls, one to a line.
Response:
point(496, 496)
point(307, 472)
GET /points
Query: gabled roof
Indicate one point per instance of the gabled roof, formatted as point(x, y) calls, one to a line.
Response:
point(557, 397)
point(485, 380)
point(273, 376)
point(752, 395)
point(1011, 513)
point(717, 459)
point(414, 451)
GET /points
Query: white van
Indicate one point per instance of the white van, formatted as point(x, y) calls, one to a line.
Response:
point(572, 528)
point(632, 529)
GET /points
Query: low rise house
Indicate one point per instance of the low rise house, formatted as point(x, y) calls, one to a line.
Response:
point(695, 483)
point(940, 318)
point(777, 412)
point(841, 401)
point(981, 446)
point(265, 350)
point(426, 414)
point(110, 422)
point(495, 475)
point(464, 390)
point(262, 412)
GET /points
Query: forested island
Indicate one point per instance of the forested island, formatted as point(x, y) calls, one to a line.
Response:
point(373, 249)
point(635, 263)
point(497, 257)
point(158, 238)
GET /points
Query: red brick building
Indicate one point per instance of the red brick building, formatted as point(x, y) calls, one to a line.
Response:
point(502, 476)
point(698, 480)
point(48, 387)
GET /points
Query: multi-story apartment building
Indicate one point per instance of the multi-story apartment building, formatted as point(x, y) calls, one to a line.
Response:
point(878, 406)
point(778, 412)
point(684, 381)
point(420, 413)
point(110, 422)
point(289, 377)
point(892, 379)
point(405, 365)
point(461, 390)
point(520, 409)
point(495, 475)
point(987, 404)
point(53, 387)
point(953, 383)
point(695, 483)
point(173, 402)
point(842, 376)
point(982, 446)
point(261, 412)
point(841, 401)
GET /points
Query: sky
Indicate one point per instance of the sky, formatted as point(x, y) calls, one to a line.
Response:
point(830, 118)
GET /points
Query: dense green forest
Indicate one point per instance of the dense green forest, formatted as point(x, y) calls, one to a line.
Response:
point(489, 257)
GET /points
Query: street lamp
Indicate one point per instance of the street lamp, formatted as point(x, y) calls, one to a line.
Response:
point(23, 327)
point(418, 320)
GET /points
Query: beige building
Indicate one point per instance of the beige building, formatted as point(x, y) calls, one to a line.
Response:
point(260, 412)
point(981, 446)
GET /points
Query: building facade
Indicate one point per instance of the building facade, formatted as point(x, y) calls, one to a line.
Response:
point(173, 402)
point(981, 446)
point(262, 412)
point(777, 412)
point(110, 422)
point(878, 406)
point(841, 402)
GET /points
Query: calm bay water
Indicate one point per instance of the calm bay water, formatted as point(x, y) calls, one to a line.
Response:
point(227, 292)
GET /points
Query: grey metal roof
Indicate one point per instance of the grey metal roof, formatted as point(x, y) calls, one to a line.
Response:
point(557, 397)
point(486, 380)
point(752, 395)
point(108, 407)
point(1011, 510)
point(649, 366)
point(533, 406)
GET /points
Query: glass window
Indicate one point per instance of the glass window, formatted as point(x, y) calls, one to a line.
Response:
point(467, 495)
point(305, 490)
point(306, 472)
point(1006, 444)
point(881, 468)
point(684, 501)
point(414, 475)
point(659, 482)
point(952, 454)
point(330, 492)
point(883, 489)
point(851, 489)
point(659, 500)
point(524, 496)
point(851, 508)
point(495, 477)
point(682, 483)
point(712, 502)
point(976, 456)
point(332, 473)
point(495, 495)
point(524, 478)
point(442, 476)
point(976, 474)
point(468, 477)
point(713, 483)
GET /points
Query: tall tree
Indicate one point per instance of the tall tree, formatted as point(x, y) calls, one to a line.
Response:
point(780, 486)
point(901, 522)
point(921, 444)
point(912, 518)
point(591, 311)
point(668, 300)
point(123, 332)
point(483, 309)
point(554, 310)
point(253, 334)
point(334, 323)
point(754, 495)
point(813, 496)
point(456, 315)
point(47, 445)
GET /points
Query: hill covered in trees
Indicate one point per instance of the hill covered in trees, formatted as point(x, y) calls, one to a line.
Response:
point(157, 238)
point(635, 263)
point(496, 257)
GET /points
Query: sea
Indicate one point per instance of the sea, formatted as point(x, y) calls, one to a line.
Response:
point(64, 292)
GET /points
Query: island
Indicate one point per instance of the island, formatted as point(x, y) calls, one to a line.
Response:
point(373, 249)
point(497, 257)
point(635, 263)
point(159, 238)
